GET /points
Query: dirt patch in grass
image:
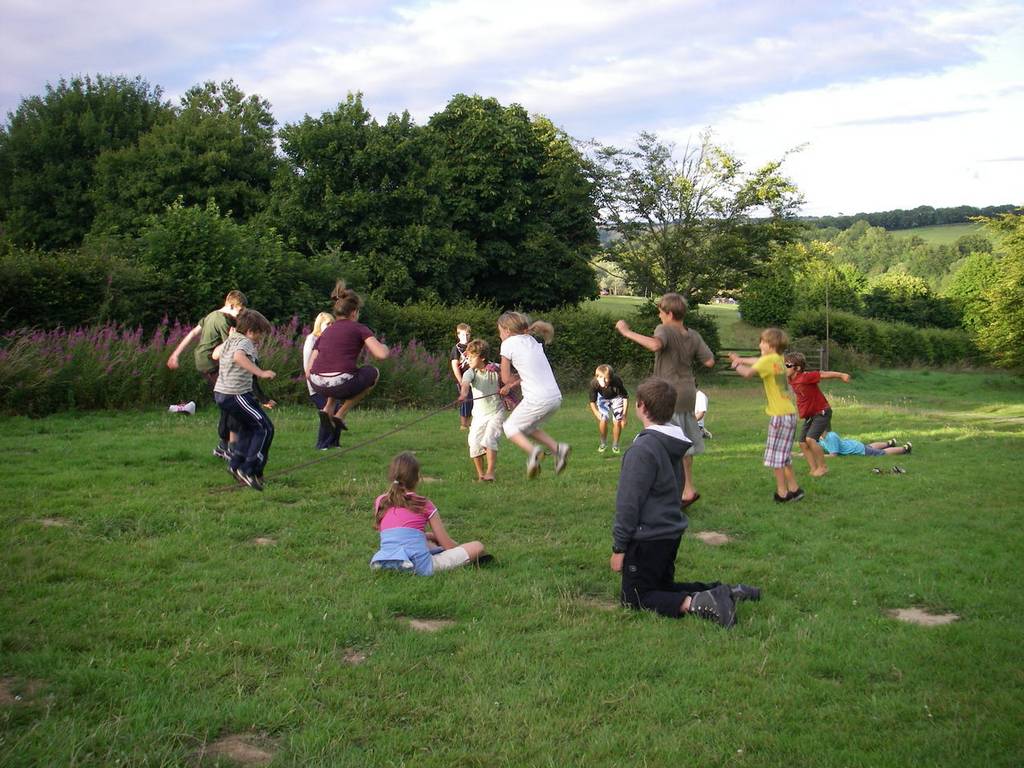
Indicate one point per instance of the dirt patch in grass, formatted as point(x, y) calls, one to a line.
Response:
point(247, 749)
point(713, 538)
point(353, 656)
point(599, 602)
point(427, 625)
point(264, 541)
point(56, 522)
point(14, 691)
point(922, 617)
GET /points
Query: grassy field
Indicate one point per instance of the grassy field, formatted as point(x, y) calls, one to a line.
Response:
point(941, 234)
point(146, 613)
point(734, 333)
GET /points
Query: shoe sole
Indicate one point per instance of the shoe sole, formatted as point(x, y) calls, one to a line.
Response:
point(561, 464)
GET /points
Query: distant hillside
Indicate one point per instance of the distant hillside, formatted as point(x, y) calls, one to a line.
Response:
point(922, 216)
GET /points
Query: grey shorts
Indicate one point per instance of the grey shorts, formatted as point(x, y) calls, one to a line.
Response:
point(688, 423)
point(817, 425)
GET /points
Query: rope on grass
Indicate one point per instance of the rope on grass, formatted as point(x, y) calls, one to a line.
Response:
point(349, 449)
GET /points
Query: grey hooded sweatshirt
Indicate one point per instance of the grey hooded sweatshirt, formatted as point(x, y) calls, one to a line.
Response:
point(650, 487)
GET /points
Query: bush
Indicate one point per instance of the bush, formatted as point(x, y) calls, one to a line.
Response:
point(768, 301)
point(888, 343)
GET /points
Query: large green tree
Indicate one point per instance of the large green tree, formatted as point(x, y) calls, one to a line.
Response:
point(695, 222)
point(521, 192)
point(219, 147)
point(49, 149)
point(1002, 331)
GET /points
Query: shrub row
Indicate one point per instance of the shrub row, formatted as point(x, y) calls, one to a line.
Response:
point(888, 343)
point(117, 366)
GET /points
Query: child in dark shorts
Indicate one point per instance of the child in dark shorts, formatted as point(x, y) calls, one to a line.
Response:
point(812, 407)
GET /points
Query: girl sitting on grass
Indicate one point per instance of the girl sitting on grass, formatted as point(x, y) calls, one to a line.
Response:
point(402, 519)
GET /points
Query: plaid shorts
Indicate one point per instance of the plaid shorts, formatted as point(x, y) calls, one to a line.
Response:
point(779, 447)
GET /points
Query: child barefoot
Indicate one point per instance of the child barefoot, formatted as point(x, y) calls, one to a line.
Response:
point(402, 519)
point(541, 395)
point(812, 407)
point(609, 401)
point(482, 381)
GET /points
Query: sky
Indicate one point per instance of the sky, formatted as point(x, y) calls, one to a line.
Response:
point(874, 105)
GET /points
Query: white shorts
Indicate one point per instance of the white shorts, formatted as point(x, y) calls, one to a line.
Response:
point(614, 409)
point(449, 559)
point(485, 432)
point(529, 415)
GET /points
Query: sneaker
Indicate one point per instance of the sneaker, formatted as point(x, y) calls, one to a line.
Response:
point(234, 473)
point(562, 456)
point(898, 470)
point(602, 448)
point(907, 447)
point(251, 480)
point(615, 449)
point(533, 463)
point(780, 499)
point(715, 604)
point(795, 495)
point(744, 592)
point(891, 442)
point(222, 452)
point(876, 471)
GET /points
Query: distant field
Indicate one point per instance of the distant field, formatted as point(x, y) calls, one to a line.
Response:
point(941, 234)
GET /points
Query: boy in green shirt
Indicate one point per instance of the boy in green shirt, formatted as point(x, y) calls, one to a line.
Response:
point(212, 331)
point(778, 450)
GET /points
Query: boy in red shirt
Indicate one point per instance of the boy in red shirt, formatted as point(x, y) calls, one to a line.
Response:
point(812, 407)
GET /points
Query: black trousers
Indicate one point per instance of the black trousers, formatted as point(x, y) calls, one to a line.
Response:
point(648, 578)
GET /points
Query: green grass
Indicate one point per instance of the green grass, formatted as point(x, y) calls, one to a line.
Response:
point(152, 624)
point(940, 234)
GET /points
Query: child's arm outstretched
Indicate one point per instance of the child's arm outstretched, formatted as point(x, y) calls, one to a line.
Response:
point(742, 365)
point(650, 343)
point(172, 361)
point(835, 375)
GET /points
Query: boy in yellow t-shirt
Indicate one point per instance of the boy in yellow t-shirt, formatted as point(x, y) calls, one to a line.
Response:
point(770, 366)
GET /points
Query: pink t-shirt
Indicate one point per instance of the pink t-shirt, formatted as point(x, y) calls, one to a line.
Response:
point(403, 517)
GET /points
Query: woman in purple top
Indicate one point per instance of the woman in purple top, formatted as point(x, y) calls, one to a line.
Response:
point(334, 371)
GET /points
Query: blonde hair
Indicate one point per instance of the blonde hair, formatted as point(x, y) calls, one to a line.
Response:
point(404, 475)
point(322, 321)
point(776, 339)
point(605, 371)
point(463, 327)
point(235, 299)
point(517, 322)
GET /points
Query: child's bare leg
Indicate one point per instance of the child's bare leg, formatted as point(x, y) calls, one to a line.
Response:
point(897, 451)
point(602, 429)
point(329, 405)
point(616, 432)
point(478, 462)
point(353, 401)
point(806, 451)
point(522, 441)
point(818, 467)
point(492, 457)
point(780, 481)
point(689, 492)
point(790, 476)
point(474, 549)
point(543, 437)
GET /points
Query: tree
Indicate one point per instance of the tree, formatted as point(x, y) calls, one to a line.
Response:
point(364, 191)
point(50, 146)
point(1002, 334)
point(968, 289)
point(688, 224)
point(218, 147)
point(520, 191)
